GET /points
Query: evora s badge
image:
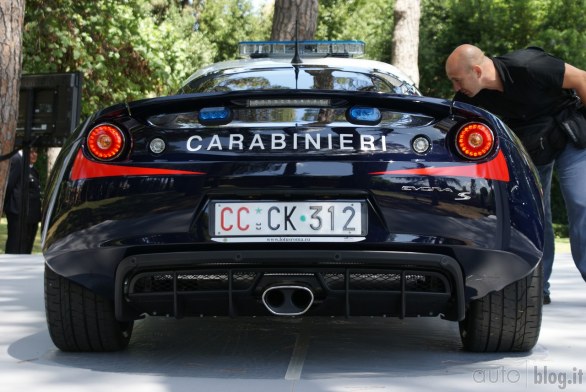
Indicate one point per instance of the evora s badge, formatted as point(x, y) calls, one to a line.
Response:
point(411, 188)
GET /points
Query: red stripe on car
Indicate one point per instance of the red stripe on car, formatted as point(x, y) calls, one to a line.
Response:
point(495, 169)
point(83, 168)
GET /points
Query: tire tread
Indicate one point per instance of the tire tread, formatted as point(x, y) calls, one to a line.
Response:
point(80, 320)
point(506, 320)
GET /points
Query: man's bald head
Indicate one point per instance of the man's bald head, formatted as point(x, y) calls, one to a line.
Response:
point(465, 67)
point(466, 56)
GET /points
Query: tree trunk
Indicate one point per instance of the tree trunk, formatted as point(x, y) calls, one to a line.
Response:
point(285, 16)
point(52, 154)
point(405, 45)
point(11, 20)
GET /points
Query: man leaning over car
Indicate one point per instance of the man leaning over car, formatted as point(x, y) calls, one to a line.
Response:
point(533, 91)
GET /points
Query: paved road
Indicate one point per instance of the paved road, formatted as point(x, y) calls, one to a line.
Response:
point(274, 354)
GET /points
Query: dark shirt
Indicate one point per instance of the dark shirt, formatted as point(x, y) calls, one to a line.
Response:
point(532, 81)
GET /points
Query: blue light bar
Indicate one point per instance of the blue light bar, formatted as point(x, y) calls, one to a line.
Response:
point(363, 115)
point(306, 48)
point(215, 116)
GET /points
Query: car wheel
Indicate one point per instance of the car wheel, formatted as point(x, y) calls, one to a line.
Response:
point(80, 320)
point(505, 320)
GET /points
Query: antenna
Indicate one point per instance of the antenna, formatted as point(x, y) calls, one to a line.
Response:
point(296, 57)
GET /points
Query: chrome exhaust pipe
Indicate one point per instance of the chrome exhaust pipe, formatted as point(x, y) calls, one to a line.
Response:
point(287, 300)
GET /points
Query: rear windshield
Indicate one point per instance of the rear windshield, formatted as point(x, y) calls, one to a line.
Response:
point(308, 78)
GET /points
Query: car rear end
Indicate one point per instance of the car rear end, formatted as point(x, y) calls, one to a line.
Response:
point(291, 202)
point(277, 185)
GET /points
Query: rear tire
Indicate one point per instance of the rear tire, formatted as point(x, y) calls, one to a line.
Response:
point(79, 320)
point(506, 320)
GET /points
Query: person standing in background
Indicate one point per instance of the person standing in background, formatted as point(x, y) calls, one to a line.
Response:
point(13, 206)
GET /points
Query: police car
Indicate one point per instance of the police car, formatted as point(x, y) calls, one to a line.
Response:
point(300, 181)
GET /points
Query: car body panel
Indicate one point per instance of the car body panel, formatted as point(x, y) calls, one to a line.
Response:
point(470, 227)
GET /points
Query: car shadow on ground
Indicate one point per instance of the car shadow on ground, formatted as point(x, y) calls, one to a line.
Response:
point(274, 348)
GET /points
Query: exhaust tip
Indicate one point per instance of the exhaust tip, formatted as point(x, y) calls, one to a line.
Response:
point(287, 300)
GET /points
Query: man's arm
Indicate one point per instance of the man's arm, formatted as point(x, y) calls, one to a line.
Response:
point(575, 78)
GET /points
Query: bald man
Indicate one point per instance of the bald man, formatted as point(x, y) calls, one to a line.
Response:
point(527, 89)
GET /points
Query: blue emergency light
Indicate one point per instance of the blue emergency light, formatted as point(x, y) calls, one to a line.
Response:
point(306, 48)
point(215, 116)
point(363, 115)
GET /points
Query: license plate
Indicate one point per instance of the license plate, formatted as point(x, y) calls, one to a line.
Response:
point(298, 218)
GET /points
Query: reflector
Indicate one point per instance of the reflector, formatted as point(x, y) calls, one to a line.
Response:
point(420, 144)
point(157, 145)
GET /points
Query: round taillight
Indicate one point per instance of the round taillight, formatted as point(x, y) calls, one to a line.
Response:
point(474, 141)
point(105, 142)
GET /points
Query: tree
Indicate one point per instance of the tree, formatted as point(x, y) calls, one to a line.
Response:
point(562, 33)
point(405, 46)
point(224, 23)
point(370, 21)
point(133, 49)
point(11, 20)
point(287, 13)
point(122, 50)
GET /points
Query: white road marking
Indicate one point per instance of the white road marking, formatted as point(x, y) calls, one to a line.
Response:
point(298, 357)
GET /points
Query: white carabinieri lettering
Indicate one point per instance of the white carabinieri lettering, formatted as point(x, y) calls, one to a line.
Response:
point(215, 143)
point(256, 142)
point(278, 141)
point(346, 142)
point(295, 142)
point(193, 143)
point(236, 140)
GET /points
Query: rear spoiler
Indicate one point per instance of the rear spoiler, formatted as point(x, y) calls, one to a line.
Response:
point(435, 107)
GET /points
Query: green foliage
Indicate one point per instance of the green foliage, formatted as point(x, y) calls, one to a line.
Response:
point(497, 27)
point(434, 48)
point(173, 50)
point(132, 49)
point(97, 38)
point(563, 30)
point(370, 21)
point(227, 22)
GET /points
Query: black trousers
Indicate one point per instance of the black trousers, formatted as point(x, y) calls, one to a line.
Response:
point(13, 245)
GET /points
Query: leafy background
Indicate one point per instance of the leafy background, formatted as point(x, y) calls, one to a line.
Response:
point(132, 49)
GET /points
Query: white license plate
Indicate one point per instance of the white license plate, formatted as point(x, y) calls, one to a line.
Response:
point(299, 218)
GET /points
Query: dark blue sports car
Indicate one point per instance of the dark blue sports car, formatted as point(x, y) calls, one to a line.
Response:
point(320, 186)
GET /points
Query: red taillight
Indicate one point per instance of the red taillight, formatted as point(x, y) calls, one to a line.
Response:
point(474, 141)
point(105, 142)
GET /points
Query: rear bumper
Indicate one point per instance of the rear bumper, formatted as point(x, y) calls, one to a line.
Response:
point(344, 283)
point(425, 281)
